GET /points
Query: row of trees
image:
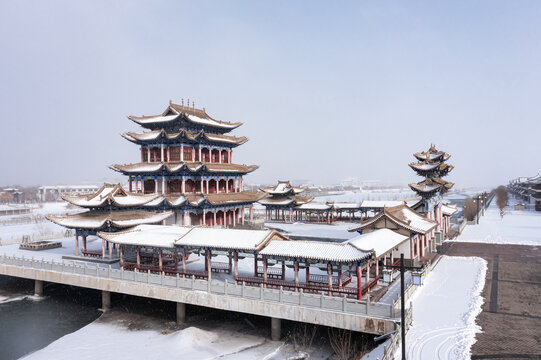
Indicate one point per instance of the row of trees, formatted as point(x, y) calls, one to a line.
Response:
point(474, 205)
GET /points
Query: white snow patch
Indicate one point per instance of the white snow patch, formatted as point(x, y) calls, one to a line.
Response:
point(445, 309)
point(522, 227)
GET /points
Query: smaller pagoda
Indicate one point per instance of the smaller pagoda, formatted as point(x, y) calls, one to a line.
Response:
point(281, 200)
point(431, 165)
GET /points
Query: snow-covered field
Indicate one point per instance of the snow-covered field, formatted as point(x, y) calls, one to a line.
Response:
point(350, 196)
point(521, 227)
point(14, 227)
point(445, 308)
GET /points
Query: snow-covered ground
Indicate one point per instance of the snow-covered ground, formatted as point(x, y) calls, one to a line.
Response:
point(113, 340)
point(445, 308)
point(521, 227)
point(14, 227)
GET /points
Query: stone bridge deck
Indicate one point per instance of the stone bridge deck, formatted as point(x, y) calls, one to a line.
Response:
point(363, 316)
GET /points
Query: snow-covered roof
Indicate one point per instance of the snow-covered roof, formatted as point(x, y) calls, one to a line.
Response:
point(194, 237)
point(235, 239)
point(145, 167)
point(283, 188)
point(346, 206)
point(97, 220)
point(323, 251)
point(448, 209)
point(147, 235)
point(380, 204)
point(176, 112)
point(379, 241)
point(402, 216)
point(195, 136)
point(110, 194)
point(312, 205)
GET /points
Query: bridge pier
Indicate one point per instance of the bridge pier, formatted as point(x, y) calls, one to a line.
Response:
point(106, 300)
point(276, 329)
point(38, 288)
point(181, 313)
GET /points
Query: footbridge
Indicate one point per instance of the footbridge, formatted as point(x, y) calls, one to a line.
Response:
point(277, 304)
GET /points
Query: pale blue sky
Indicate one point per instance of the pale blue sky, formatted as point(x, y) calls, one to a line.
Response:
point(327, 90)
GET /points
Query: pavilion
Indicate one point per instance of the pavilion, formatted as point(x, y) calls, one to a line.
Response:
point(334, 268)
point(405, 221)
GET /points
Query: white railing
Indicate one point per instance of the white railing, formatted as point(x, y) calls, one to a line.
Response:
point(319, 301)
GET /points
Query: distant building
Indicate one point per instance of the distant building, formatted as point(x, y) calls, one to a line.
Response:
point(55, 192)
point(527, 189)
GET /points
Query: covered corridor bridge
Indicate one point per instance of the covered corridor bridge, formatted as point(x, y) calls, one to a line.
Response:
point(258, 257)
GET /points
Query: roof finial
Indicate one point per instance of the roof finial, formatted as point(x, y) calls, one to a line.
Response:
point(170, 102)
point(193, 105)
point(182, 102)
point(188, 103)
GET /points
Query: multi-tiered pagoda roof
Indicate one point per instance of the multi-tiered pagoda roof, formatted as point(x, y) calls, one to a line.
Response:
point(185, 170)
point(432, 166)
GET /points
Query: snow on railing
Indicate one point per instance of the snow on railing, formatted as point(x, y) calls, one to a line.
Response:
point(321, 301)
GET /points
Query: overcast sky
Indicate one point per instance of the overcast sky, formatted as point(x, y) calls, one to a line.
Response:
point(326, 90)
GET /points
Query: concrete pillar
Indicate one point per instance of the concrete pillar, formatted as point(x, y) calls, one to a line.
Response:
point(276, 329)
point(38, 288)
point(105, 300)
point(181, 313)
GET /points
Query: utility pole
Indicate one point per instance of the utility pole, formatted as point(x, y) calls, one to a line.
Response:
point(402, 267)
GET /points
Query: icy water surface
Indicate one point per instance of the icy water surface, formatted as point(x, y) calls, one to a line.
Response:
point(28, 324)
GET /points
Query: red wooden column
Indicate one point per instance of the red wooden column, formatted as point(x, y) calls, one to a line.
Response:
point(76, 245)
point(84, 243)
point(296, 274)
point(230, 258)
point(242, 216)
point(183, 185)
point(359, 282)
point(168, 153)
point(329, 275)
point(183, 262)
point(160, 260)
point(225, 219)
point(148, 154)
point(138, 257)
point(130, 183)
point(340, 278)
point(236, 265)
point(251, 212)
point(283, 269)
point(156, 186)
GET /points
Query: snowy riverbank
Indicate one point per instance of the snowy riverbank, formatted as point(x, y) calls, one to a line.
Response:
point(121, 335)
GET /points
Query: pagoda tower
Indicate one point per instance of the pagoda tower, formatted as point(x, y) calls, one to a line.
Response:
point(432, 166)
point(186, 176)
point(187, 158)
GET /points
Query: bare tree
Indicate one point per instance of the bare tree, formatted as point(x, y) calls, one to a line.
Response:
point(470, 209)
point(502, 199)
point(345, 345)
